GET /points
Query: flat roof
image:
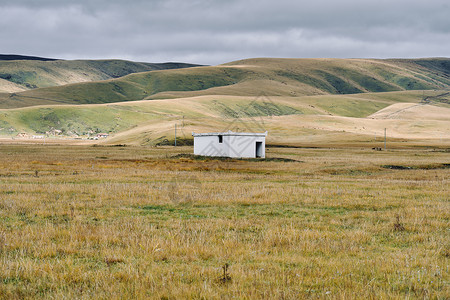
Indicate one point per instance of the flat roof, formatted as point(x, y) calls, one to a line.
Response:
point(230, 133)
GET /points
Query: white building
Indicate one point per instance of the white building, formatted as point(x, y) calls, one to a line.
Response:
point(230, 144)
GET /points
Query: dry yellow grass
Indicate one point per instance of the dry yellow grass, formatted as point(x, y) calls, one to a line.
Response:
point(134, 222)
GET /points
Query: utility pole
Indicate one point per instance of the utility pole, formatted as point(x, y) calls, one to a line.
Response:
point(385, 139)
point(175, 134)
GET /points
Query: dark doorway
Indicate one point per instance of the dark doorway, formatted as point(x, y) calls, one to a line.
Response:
point(259, 149)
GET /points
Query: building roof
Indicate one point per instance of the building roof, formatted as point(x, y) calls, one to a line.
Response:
point(230, 133)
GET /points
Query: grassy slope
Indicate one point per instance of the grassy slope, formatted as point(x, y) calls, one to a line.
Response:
point(274, 77)
point(288, 119)
point(31, 74)
point(131, 87)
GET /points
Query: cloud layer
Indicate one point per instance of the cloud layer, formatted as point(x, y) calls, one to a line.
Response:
point(214, 32)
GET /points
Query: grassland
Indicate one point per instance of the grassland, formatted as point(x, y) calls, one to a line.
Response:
point(118, 219)
point(142, 222)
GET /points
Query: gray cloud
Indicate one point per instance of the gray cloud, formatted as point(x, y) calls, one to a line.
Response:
point(213, 31)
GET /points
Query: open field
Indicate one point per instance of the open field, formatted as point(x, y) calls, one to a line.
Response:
point(143, 222)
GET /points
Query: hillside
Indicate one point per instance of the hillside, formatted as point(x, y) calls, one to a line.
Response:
point(20, 73)
point(289, 120)
point(299, 101)
point(274, 77)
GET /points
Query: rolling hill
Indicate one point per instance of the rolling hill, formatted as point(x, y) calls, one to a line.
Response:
point(21, 73)
point(299, 101)
point(274, 77)
point(289, 120)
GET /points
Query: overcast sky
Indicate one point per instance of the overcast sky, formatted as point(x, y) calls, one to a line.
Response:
point(215, 32)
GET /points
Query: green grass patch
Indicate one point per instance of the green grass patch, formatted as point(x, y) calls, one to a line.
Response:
point(340, 85)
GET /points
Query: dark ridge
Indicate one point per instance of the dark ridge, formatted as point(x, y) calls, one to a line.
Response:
point(421, 167)
point(174, 65)
point(231, 159)
point(395, 167)
point(440, 65)
point(23, 57)
point(291, 146)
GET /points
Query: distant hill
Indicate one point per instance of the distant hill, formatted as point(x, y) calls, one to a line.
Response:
point(23, 57)
point(273, 77)
point(20, 73)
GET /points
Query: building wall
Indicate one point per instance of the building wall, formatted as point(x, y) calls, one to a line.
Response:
point(209, 146)
point(231, 146)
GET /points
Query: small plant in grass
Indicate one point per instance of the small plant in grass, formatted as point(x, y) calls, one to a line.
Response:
point(398, 226)
point(112, 261)
point(72, 211)
point(225, 277)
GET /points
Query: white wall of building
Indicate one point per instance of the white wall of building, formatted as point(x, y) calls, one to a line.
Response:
point(209, 146)
point(230, 144)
